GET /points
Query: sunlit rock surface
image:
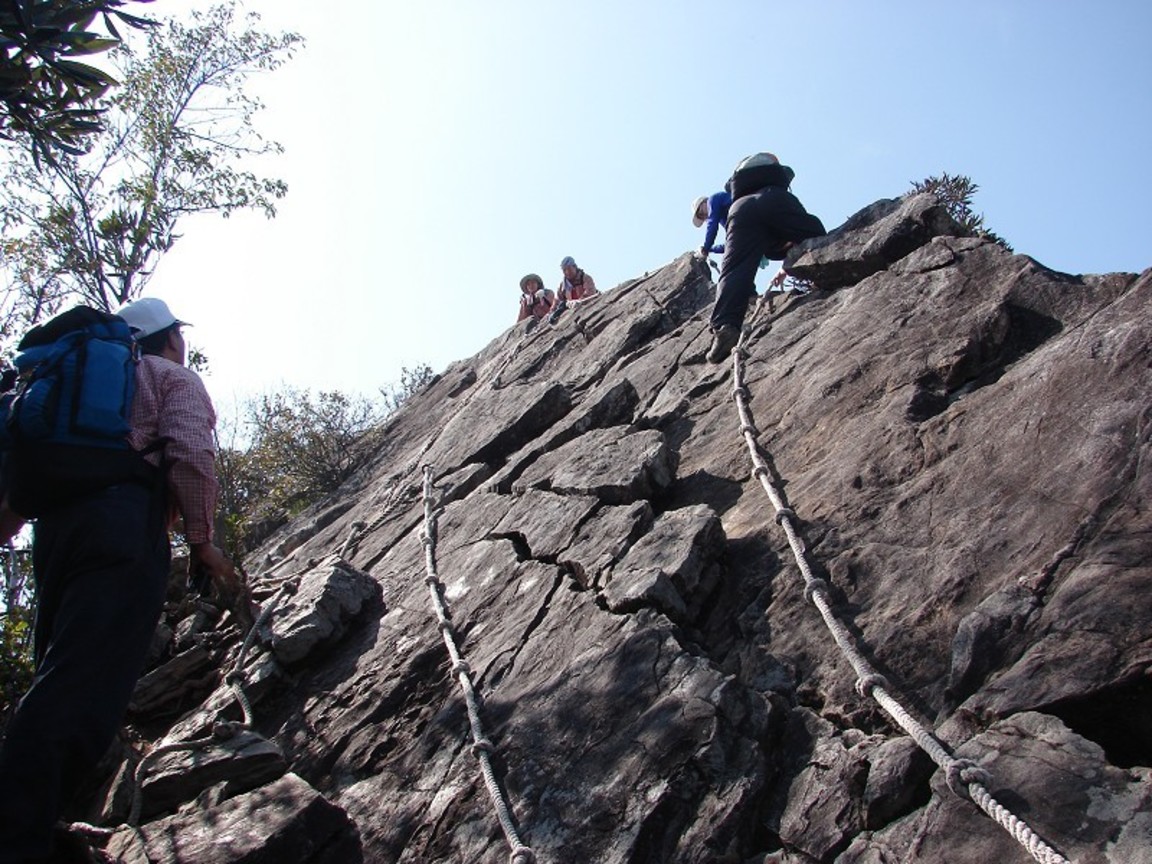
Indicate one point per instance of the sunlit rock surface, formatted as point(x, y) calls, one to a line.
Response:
point(964, 437)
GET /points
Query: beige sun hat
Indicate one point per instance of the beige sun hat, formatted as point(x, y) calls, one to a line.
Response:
point(696, 220)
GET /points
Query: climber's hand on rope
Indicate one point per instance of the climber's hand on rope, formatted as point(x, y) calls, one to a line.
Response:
point(215, 568)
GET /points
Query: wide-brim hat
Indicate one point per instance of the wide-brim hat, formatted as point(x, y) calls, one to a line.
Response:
point(696, 220)
point(531, 277)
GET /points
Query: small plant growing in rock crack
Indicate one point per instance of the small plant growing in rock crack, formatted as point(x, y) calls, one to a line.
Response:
point(955, 192)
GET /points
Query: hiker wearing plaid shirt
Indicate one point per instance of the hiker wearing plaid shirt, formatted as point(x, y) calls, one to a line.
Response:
point(102, 563)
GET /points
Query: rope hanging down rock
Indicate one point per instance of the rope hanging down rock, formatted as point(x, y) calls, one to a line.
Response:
point(222, 730)
point(964, 777)
point(482, 748)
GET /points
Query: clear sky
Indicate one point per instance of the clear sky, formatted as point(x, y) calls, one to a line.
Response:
point(438, 151)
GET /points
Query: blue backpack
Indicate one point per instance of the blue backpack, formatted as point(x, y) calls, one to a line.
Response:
point(66, 423)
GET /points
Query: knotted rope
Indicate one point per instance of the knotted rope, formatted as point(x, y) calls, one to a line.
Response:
point(482, 747)
point(396, 498)
point(222, 730)
point(964, 777)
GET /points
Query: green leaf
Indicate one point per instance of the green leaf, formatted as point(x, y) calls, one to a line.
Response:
point(84, 73)
point(88, 43)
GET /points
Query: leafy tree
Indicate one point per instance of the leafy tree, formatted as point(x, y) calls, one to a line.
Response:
point(178, 134)
point(93, 223)
point(241, 512)
point(412, 381)
point(955, 193)
point(300, 448)
point(15, 629)
point(45, 96)
point(304, 445)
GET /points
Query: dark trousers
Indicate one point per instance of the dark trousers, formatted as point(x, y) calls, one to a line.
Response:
point(101, 567)
point(760, 225)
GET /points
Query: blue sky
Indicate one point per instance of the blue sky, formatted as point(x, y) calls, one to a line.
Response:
point(437, 152)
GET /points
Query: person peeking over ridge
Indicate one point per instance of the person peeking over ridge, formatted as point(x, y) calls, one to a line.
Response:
point(536, 301)
point(764, 221)
point(576, 285)
point(712, 209)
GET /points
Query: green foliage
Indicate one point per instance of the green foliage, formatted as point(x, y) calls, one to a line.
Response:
point(196, 360)
point(304, 443)
point(412, 381)
point(955, 193)
point(299, 448)
point(303, 446)
point(16, 616)
point(244, 503)
point(178, 135)
point(46, 97)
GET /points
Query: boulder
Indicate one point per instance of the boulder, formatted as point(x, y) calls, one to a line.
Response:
point(284, 822)
point(872, 240)
point(328, 597)
point(241, 762)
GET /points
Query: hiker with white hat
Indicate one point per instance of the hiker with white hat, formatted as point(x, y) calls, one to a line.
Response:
point(149, 315)
point(101, 559)
point(712, 209)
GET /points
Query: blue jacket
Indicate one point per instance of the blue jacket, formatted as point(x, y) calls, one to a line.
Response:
point(718, 204)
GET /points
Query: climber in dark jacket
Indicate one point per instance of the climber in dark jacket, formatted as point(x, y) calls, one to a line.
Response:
point(764, 221)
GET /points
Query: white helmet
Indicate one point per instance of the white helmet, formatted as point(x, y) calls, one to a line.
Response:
point(148, 315)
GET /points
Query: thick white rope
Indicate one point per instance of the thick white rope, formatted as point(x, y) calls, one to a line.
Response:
point(963, 776)
point(222, 730)
point(482, 747)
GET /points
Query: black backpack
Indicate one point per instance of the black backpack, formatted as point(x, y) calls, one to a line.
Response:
point(64, 426)
point(756, 172)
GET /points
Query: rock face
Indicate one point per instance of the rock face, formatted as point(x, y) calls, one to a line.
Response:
point(964, 437)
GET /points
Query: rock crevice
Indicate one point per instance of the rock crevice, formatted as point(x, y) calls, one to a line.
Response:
point(962, 434)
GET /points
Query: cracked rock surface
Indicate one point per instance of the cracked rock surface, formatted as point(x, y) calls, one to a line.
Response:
point(964, 437)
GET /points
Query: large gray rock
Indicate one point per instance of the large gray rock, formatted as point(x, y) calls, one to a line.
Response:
point(614, 465)
point(285, 822)
point(241, 762)
point(190, 673)
point(963, 436)
point(1089, 811)
point(872, 240)
point(327, 598)
point(671, 567)
point(822, 811)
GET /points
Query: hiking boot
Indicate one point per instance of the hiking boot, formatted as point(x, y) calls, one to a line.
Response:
point(724, 339)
